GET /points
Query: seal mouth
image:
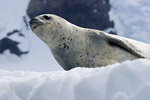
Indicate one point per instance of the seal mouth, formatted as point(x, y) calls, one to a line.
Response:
point(34, 22)
point(35, 25)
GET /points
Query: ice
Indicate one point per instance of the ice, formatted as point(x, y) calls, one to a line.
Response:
point(126, 81)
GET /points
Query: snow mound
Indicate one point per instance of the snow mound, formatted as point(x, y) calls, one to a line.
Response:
point(127, 81)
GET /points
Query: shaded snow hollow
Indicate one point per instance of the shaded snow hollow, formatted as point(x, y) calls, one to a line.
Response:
point(127, 81)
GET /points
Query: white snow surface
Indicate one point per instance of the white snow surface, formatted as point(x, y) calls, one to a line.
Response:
point(39, 57)
point(127, 81)
point(37, 75)
point(131, 18)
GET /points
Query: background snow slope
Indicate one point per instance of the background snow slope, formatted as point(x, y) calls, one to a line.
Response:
point(39, 57)
point(131, 18)
point(126, 81)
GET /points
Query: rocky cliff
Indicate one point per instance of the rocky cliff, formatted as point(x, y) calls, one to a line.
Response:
point(84, 13)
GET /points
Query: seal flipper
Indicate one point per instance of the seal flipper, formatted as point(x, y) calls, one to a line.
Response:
point(126, 44)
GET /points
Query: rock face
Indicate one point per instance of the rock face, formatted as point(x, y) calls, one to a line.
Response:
point(12, 46)
point(84, 13)
point(8, 44)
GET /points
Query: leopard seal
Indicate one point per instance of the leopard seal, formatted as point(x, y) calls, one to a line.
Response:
point(73, 46)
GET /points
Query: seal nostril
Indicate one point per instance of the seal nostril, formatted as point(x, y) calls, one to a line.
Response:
point(46, 17)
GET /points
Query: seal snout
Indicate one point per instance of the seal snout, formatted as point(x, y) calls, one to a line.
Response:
point(34, 22)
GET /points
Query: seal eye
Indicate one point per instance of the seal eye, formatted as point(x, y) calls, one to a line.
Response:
point(46, 17)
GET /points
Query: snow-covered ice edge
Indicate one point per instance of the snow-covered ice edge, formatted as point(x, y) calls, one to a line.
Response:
point(127, 81)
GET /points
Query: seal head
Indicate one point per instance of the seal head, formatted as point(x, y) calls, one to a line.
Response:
point(40, 23)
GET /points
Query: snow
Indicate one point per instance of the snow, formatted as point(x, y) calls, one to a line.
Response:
point(11, 16)
point(131, 18)
point(127, 81)
point(37, 75)
point(39, 57)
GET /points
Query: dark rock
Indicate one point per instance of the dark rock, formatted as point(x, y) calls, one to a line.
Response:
point(15, 31)
point(7, 43)
point(12, 46)
point(84, 13)
point(26, 22)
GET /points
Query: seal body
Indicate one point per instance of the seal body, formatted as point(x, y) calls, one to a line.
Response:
point(73, 46)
